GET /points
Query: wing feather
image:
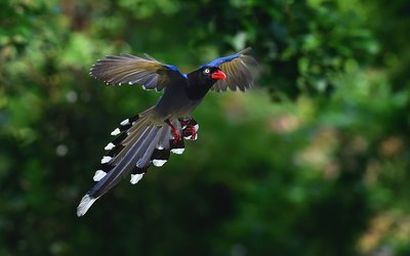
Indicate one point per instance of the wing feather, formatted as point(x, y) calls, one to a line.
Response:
point(130, 69)
point(237, 68)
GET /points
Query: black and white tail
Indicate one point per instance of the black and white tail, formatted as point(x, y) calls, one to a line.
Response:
point(140, 141)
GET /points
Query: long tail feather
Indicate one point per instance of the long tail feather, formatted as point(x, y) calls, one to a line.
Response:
point(135, 142)
point(140, 142)
point(114, 175)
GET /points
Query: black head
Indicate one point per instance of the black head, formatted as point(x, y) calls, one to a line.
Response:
point(202, 79)
point(212, 73)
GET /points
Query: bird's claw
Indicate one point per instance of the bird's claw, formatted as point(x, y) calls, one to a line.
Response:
point(190, 132)
point(189, 128)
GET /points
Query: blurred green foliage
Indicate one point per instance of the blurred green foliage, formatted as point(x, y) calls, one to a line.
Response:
point(313, 162)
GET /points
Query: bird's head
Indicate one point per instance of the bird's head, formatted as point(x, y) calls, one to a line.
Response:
point(213, 73)
point(202, 79)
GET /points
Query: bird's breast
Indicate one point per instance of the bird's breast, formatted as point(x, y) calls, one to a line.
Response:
point(176, 103)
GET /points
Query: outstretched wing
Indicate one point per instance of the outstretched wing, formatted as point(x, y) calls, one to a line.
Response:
point(130, 69)
point(237, 69)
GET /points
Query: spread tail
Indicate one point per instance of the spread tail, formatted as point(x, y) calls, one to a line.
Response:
point(140, 141)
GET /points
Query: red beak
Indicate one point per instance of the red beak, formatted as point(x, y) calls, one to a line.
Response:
point(218, 75)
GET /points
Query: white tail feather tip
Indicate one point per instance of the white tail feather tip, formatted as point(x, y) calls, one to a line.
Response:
point(158, 162)
point(109, 146)
point(125, 122)
point(99, 174)
point(85, 204)
point(106, 159)
point(178, 151)
point(135, 178)
point(115, 132)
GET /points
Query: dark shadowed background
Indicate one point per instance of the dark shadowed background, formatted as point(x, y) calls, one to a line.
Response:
point(314, 161)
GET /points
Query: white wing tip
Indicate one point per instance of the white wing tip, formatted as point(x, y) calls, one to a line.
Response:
point(85, 204)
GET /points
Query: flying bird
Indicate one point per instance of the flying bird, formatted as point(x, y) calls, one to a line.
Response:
point(149, 137)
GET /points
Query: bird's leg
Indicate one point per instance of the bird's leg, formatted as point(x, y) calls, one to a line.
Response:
point(189, 128)
point(175, 132)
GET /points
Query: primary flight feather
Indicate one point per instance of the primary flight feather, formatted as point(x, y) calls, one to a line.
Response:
point(149, 137)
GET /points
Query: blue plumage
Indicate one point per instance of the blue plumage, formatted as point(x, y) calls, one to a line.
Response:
point(150, 137)
point(174, 68)
point(219, 61)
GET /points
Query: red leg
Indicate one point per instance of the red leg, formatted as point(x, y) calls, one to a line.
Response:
point(175, 132)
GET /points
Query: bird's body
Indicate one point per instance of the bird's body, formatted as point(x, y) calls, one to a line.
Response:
point(149, 137)
point(176, 103)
